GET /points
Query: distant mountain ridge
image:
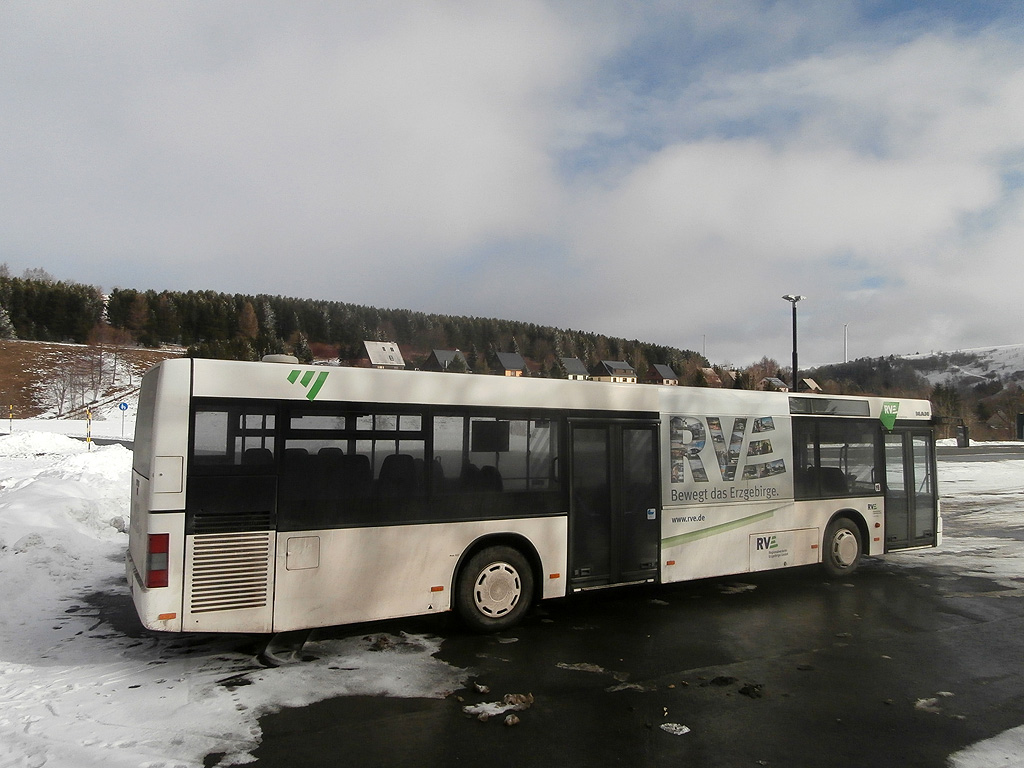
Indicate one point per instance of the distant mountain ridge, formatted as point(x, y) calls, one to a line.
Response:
point(247, 327)
point(981, 388)
point(985, 368)
point(967, 367)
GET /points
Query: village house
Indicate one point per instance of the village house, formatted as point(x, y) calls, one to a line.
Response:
point(384, 354)
point(662, 374)
point(510, 363)
point(446, 360)
point(574, 369)
point(614, 371)
point(773, 384)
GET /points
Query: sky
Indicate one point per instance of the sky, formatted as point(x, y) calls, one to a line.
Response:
point(665, 171)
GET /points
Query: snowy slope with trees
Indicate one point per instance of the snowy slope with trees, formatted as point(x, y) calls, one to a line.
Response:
point(973, 366)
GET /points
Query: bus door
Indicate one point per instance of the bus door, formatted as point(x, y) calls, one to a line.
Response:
point(911, 503)
point(614, 512)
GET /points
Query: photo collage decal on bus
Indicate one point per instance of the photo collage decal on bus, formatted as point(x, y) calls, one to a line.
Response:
point(723, 459)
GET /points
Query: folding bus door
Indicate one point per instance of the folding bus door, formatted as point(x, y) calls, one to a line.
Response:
point(615, 509)
point(911, 502)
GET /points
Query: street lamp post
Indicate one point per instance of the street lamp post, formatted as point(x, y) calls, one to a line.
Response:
point(793, 299)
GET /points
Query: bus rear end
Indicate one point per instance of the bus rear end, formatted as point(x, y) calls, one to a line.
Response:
point(156, 538)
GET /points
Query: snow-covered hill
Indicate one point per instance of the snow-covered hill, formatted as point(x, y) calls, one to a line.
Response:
point(972, 366)
point(55, 381)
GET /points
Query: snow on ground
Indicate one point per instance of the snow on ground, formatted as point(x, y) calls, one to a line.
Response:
point(76, 690)
point(110, 424)
point(982, 504)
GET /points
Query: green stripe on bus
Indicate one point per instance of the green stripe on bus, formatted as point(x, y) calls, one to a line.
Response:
point(311, 381)
point(704, 533)
point(315, 389)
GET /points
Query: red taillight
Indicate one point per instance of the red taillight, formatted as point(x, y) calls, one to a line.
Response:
point(156, 560)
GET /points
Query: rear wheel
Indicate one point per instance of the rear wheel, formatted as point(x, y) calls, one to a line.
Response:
point(494, 589)
point(842, 548)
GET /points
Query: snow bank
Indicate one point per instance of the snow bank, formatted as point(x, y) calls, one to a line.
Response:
point(76, 691)
point(21, 444)
point(1005, 749)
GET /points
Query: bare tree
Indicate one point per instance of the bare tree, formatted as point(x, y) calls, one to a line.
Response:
point(57, 389)
point(115, 340)
point(39, 275)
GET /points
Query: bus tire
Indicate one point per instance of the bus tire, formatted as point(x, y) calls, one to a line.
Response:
point(842, 548)
point(494, 589)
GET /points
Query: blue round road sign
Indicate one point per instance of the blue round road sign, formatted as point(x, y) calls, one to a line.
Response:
point(123, 406)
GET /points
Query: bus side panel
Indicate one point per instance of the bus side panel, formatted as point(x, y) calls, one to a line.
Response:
point(166, 464)
point(704, 542)
point(868, 511)
point(339, 576)
point(138, 527)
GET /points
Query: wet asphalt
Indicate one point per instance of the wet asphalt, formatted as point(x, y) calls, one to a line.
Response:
point(893, 666)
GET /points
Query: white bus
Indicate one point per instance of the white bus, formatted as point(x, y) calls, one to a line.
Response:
point(269, 497)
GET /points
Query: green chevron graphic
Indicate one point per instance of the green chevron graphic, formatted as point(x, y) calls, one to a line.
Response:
point(889, 413)
point(311, 381)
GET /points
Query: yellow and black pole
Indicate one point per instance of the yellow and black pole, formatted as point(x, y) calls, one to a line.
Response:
point(88, 428)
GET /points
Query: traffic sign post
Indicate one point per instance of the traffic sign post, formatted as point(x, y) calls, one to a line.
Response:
point(123, 407)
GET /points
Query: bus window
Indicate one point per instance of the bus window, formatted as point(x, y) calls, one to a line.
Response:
point(343, 468)
point(486, 466)
point(837, 457)
point(231, 484)
point(478, 454)
point(233, 436)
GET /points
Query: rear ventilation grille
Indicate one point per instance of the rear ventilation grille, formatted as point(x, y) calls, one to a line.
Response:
point(230, 571)
point(228, 523)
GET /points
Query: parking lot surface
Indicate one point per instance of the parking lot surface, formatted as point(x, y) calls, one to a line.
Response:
point(895, 665)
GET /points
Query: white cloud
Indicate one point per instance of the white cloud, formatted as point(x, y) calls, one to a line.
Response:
point(664, 172)
point(860, 179)
point(420, 131)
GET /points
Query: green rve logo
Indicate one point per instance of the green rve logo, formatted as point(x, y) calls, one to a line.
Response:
point(888, 416)
point(310, 381)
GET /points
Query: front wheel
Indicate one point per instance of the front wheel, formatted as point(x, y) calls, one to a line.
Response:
point(842, 548)
point(494, 589)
